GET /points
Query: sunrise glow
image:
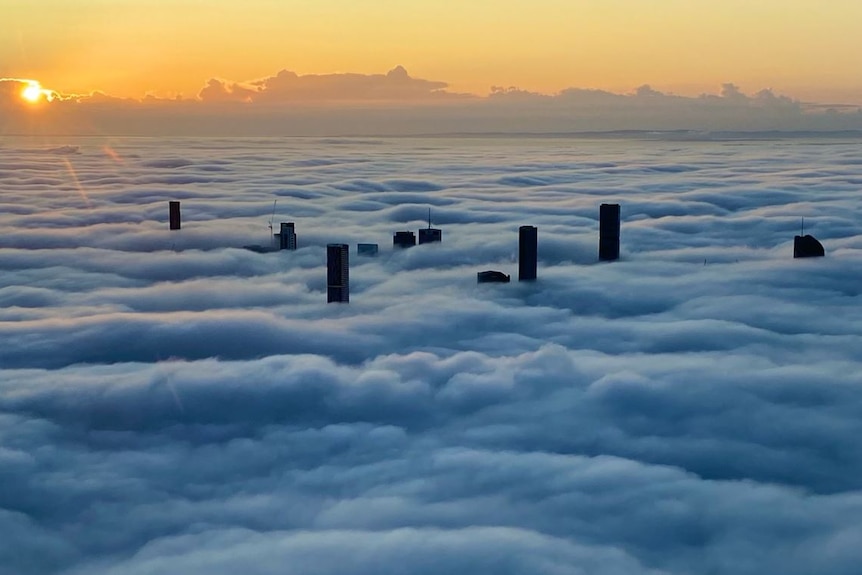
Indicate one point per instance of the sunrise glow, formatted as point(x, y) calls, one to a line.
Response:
point(34, 93)
point(121, 48)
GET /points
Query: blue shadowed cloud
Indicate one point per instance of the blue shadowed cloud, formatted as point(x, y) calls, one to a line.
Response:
point(172, 402)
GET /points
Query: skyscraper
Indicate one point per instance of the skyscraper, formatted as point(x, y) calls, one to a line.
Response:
point(527, 252)
point(337, 273)
point(609, 232)
point(287, 237)
point(807, 246)
point(366, 249)
point(174, 209)
point(492, 276)
point(404, 239)
point(430, 235)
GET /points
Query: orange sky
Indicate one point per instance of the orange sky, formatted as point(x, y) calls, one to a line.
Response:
point(802, 48)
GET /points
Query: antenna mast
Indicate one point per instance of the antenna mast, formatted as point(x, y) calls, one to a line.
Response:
point(429, 218)
point(802, 229)
point(271, 219)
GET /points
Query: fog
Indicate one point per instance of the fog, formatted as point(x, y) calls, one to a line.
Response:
point(171, 402)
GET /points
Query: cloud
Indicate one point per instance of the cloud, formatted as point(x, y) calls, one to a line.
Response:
point(170, 401)
point(11, 87)
point(732, 92)
point(22, 93)
point(288, 87)
point(396, 103)
point(221, 91)
point(11, 98)
point(423, 550)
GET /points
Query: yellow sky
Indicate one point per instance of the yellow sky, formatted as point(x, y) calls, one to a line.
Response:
point(807, 49)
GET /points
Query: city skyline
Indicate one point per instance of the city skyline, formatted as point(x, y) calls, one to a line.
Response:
point(630, 347)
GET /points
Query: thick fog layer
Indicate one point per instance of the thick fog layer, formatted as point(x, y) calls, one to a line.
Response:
point(173, 403)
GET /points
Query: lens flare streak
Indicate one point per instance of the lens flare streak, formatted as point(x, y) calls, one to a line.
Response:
point(71, 169)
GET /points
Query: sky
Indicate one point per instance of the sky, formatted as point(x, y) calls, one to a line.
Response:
point(171, 402)
point(130, 48)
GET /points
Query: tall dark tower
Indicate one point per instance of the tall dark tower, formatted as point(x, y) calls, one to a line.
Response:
point(174, 207)
point(404, 239)
point(430, 235)
point(609, 232)
point(287, 237)
point(527, 252)
point(807, 246)
point(337, 273)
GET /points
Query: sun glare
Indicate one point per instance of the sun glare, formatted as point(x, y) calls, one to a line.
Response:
point(34, 92)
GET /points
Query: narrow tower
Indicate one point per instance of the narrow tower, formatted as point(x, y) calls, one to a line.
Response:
point(609, 232)
point(527, 252)
point(174, 211)
point(337, 273)
point(287, 237)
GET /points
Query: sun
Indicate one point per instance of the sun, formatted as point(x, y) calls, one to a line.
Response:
point(34, 92)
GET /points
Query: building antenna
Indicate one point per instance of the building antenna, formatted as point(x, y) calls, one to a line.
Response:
point(429, 218)
point(272, 216)
point(271, 219)
point(802, 229)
